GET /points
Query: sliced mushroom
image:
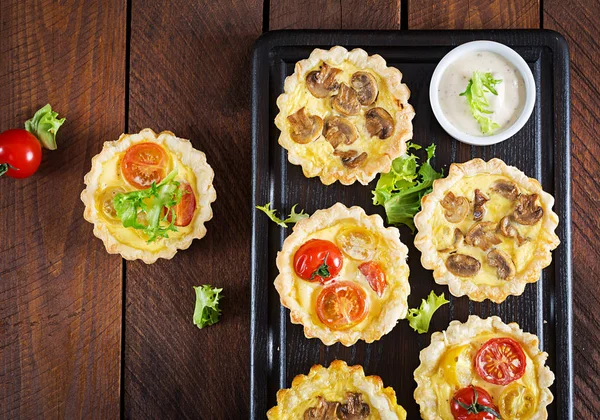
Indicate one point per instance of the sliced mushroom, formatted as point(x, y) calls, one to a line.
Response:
point(304, 128)
point(346, 101)
point(320, 83)
point(324, 410)
point(351, 158)
point(338, 130)
point(509, 231)
point(479, 205)
point(506, 189)
point(456, 241)
point(482, 235)
point(355, 408)
point(463, 265)
point(456, 208)
point(365, 85)
point(527, 212)
point(505, 268)
point(379, 123)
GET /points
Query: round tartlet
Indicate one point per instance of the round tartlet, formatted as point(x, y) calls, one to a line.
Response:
point(447, 365)
point(357, 123)
point(106, 175)
point(341, 389)
point(486, 230)
point(361, 241)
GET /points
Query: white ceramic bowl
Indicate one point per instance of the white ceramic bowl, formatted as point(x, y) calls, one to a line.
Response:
point(509, 54)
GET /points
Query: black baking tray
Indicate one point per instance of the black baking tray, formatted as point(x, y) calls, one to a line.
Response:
point(279, 351)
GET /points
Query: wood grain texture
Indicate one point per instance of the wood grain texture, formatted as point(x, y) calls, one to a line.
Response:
point(190, 73)
point(473, 14)
point(60, 292)
point(579, 22)
point(328, 14)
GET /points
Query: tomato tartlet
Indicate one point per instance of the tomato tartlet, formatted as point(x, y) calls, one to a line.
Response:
point(148, 195)
point(344, 276)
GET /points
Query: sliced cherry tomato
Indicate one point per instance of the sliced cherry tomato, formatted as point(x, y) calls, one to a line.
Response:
point(20, 153)
point(375, 276)
point(342, 305)
point(106, 200)
point(473, 403)
point(517, 402)
point(184, 210)
point(357, 243)
point(500, 361)
point(144, 163)
point(318, 260)
point(457, 366)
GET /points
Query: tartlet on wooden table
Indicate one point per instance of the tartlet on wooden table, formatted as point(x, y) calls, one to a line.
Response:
point(106, 179)
point(486, 230)
point(344, 115)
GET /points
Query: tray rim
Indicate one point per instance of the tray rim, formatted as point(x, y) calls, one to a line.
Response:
point(562, 173)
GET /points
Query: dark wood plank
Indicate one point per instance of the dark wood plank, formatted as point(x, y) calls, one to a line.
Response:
point(579, 22)
point(327, 14)
point(473, 14)
point(190, 73)
point(60, 292)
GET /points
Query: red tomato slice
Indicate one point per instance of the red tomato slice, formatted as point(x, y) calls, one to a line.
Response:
point(143, 164)
point(342, 305)
point(479, 403)
point(184, 210)
point(20, 153)
point(375, 276)
point(318, 260)
point(500, 361)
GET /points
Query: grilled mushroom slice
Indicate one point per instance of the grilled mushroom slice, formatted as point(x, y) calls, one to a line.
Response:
point(506, 189)
point(338, 130)
point(351, 158)
point(504, 264)
point(320, 83)
point(346, 101)
point(324, 410)
point(509, 231)
point(355, 408)
point(463, 265)
point(527, 212)
point(482, 235)
point(456, 241)
point(456, 208)
point(365, 85)
point(379, 123)
point(304, 128)
point(479, 205)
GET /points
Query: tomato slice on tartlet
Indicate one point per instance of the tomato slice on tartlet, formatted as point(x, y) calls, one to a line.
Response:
point(500, 361)
point(144, 163)
point(375, 276)
point(342, 305)
point(318, 260)
point(184, 210)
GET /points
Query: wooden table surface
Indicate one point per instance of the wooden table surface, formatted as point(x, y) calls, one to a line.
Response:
point(84, 334)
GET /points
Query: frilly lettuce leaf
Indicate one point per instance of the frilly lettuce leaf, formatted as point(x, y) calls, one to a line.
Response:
point(419, 319)
point(292, 218)
point(207, 310)
point(44, 125)
point(479, 85)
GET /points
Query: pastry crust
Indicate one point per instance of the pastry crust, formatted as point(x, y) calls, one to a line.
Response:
point(338, 376)
point(431, 258)
point(402, 115)
point(392, 309)
point(190, 157)
point(459, 333)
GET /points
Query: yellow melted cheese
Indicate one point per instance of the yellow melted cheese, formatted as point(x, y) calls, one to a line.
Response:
point(496, 208)
point(111, 178)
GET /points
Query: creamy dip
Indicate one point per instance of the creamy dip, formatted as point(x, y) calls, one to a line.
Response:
point(506, 106)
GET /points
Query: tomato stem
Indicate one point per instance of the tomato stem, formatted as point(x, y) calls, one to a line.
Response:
point(4, 167)
point(323, 270)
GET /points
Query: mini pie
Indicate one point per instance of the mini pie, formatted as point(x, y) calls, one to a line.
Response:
point(344, 115)
point(486, 230)
point(344, 276)
point(338, 392)
point(498, 359)
point(132, 163)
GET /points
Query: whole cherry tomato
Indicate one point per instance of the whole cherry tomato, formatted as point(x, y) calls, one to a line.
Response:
point(500, 361)
point(20, 153)
point(144, 163)
point(342, 305)
point(473, 403)
point(318, 260)
point(184, 210)
point(374, 275)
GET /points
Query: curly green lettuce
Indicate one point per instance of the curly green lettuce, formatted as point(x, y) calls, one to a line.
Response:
point(292, 218)
point(419, 319)
point(207, 310)
point(44, 125)
point(400, 190)
point(479, 85)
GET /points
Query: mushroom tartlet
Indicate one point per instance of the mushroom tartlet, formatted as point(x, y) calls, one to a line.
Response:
point(483, 366)
point(344, 115)
point(148, 195)
point(486, 230)
point(344, 276)
point(337, 392)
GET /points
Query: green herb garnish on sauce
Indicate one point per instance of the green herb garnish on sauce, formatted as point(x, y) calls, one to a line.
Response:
point(480, 84)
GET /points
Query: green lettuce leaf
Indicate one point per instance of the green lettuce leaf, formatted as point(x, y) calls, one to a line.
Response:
point(419, 319)
point(44, 125)
point(479, 85)
point(207, 310)
point(400, 190)
point(292, 218)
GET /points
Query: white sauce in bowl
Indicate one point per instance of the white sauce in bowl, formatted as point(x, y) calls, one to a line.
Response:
point(507, 106)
